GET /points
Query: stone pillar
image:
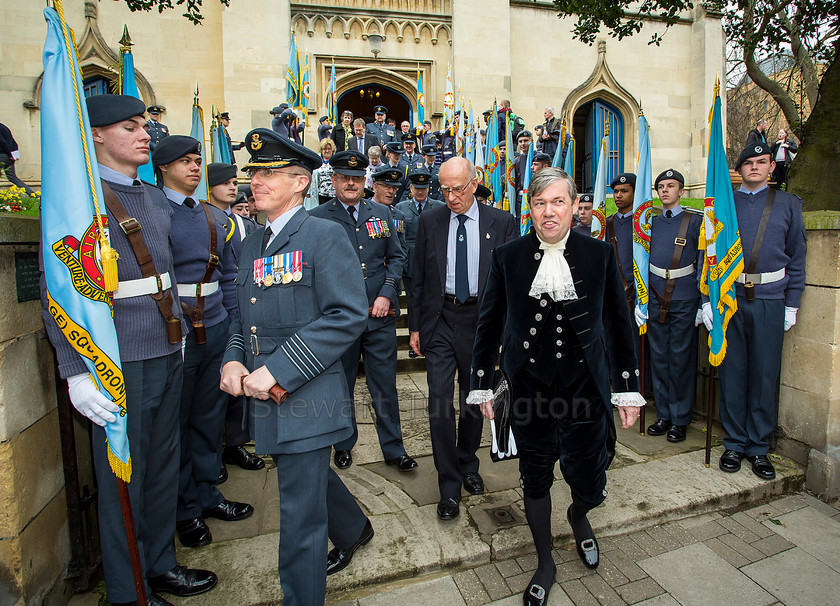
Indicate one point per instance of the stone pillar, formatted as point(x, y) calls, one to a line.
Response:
point(34, 543)
point(809, 401)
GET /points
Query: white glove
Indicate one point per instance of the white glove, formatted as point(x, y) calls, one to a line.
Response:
point(88, 400)
point(707, 316)
point(16, 155)
point(641, 317)
point(790, 317)
point(698, 319)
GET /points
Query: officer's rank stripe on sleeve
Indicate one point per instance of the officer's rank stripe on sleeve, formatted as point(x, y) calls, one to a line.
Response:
point(295, 360)
point(392, 282)
point(236, 340)
point(294, 349)
point(305, 351)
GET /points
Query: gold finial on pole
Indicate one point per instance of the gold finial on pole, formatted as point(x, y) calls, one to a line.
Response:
point(126, 42)
point(607, 126)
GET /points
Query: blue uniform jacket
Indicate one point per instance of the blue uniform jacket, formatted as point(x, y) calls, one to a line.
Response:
point(412, 222)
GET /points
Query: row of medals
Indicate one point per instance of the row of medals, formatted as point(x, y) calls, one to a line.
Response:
point(287, 278)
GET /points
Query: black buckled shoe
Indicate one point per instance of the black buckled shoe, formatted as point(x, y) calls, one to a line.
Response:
point(537, 595)
point(193, 532)
point(473, 483)
point(230, 511)
point(448, 509)
point(403, 463)
point(762, 467)
point(183, 581)
point(730, 461)
point(223, 475)
point(587, 548)
point(338, 559)
point(659, 428)
point(343, 459)
point(676, 433)
point(237, 455)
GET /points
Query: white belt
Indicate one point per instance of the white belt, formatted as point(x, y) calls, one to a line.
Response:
point(202, 289)
point(767, 277)
point(143, 286)
point(669, 274)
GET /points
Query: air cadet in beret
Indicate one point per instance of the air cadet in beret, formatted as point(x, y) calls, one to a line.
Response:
point(674, 308)
point(769, 293)
point(620, 231)
point(378, 128)
point(324, 128)
point(205, 271)
point(583, 223)
point(411, 157)
point(371, 231)
point(149, 336)
point(539, 162)
point(301, 304)
point(157, 130)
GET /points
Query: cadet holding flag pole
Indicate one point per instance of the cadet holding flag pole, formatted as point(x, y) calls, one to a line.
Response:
point(131, 393)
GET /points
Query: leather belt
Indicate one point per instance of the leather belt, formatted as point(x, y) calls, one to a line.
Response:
point(262, 345)
point(451, 299)
point(669, 274)
point(202, 289)
point(767, 277)
point(143, 286)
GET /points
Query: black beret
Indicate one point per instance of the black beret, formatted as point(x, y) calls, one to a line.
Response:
point(104, 110)
point(269, 149)
point(173, 147)
point(350, 163)
point(668, 174)
point(587, 198)
point(154, 109)
point(753, 150)
point(482, 191)
point(225, 115)
point(624, 178)
point(219, 172)
point(394, 146)
point(241, 198)
point(420, 177)
point(276, 110)
point(524, 133)
point(245, 189)
point(429, 150)
point(388, 176)
point(408, 137)
point(379, 109)
point(487, 112)
point(322, 118)
point(541, 157)
point(482, 132)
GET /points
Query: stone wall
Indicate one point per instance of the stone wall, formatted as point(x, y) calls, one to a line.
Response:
point(34, 543)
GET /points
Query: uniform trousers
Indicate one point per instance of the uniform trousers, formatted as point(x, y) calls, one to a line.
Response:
point(314, 505)
point(235, 434)
point(749, 374)
point(7, 165)
point(450, 349)
point(673, 359)
point(378, 349)
point(153, 391)
point(566, 424)
point(203, 406)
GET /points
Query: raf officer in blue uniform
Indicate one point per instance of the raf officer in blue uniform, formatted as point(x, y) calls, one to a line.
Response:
point(302, 303)
point(373, 235)
point(674, 309)
point(386, 183)
point(384, 133)
point(157, 130)
point(769, 293)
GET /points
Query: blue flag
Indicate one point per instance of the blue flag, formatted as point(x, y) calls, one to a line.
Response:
point(421, 100)
point(219, 140)
point(599, 193)
point(569, 162)
point(492, 163)
point(720, 238)
point(128, 86)
point(74, 231)
point(332, 108)
point(293, 76)
point(197, 133)
point(642, 211)
point(525, 209)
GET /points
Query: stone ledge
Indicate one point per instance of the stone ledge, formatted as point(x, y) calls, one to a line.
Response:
point(821, 219)
point(15, 229)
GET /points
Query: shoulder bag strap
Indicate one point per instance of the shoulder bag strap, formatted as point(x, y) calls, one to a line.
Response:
point(670, 283)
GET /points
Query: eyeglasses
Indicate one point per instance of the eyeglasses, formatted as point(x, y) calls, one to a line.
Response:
point(265, 173)
point(455, 190)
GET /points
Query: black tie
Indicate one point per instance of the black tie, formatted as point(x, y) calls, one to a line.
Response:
point(189, 202)
point(462, 278)
point(419, 207)
point(266, 237)
point(352, 211)
point(668, 213)
point(136, 182)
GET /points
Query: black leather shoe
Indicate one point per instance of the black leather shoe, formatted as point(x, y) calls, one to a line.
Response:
point(343, 459)
point(473, 483)
point(762, 467)
point(676, 433)
point(237, 455)
point(448, 509)
point(403, 463)
point(151, 599)
point(193, 532)
point(730, 461)
point(223, 475)
point(587, 548)
point(537, 595)
point(230, 511)
point(183, 581)
point(659, 428)
point(412, 354)
point(338, 559)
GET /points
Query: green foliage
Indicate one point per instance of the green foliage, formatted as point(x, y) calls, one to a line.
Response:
point(14, 199)
point(193, 7)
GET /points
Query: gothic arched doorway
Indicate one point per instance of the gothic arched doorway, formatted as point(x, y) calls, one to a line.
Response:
point(588, 127)
point(361, 100)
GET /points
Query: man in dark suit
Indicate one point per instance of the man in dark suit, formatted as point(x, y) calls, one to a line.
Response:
point(452, 254)
point(554, 302)
point(758, 134)
point(361, 141)
point(302, 303)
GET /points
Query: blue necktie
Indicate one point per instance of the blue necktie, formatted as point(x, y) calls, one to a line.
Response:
point(462, 278)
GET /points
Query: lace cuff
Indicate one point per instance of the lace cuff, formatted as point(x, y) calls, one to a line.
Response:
point(627, 398)
point(479, 396)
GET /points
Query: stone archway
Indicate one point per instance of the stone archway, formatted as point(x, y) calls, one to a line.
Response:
point(399, 90)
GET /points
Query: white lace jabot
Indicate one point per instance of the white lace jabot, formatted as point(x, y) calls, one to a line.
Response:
point(554, 277)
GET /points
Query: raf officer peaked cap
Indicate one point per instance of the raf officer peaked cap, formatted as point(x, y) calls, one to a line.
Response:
point(420, 177)
point(408, 137)
point(388, 176)
point(154, 109)
point(173, 147)
point(225, 115)
point(380, 109)
point(104, 110)
point(668, 174)
point(350, 163)
point(219, 172)
point(753, 150)
point(624, 179)
point(269, 149)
